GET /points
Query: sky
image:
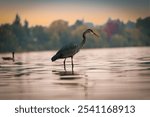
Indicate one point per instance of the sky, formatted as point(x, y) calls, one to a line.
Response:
point(44, 12)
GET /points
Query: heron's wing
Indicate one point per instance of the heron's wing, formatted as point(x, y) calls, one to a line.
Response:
point(68, 50)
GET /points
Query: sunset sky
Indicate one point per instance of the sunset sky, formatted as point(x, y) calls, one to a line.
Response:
point(43, 12)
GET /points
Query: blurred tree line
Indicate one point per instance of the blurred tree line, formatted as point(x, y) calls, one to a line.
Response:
point(114, 33)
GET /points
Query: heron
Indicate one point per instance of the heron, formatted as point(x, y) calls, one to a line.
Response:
point(70, 50)
point(10, 58)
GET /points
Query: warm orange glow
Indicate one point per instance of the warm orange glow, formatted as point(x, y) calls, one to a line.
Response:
point(45, 14)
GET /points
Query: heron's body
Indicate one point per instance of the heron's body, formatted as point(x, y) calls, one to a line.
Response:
point(70, 50)
point(66, 51)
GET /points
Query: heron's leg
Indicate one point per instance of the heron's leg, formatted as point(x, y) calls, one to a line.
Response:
point(72, 62)
point(65, 64)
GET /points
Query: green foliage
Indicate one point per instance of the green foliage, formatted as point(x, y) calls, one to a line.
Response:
point(18, 37)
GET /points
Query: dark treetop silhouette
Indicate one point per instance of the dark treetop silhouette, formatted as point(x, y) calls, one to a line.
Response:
point(71, 49)
point(10, 58)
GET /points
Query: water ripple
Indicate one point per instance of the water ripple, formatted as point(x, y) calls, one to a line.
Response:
point(119, 73)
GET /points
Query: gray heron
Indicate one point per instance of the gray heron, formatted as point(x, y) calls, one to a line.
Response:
point(71, 49)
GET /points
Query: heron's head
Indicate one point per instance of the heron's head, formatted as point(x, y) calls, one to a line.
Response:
point(91, 31)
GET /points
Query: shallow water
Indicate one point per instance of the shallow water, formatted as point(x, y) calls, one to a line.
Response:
point(118, 73)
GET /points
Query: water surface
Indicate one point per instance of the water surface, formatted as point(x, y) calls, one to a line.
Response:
point(118, 73)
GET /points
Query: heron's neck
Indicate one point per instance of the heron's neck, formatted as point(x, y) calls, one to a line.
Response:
point(83, 41)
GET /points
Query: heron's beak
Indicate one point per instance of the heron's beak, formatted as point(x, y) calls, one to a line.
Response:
point(95, 34)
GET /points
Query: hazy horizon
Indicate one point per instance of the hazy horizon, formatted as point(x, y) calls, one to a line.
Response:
point(95, 11)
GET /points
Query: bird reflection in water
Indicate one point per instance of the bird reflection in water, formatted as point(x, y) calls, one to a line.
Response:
point(73, 79)
point(67, 75)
